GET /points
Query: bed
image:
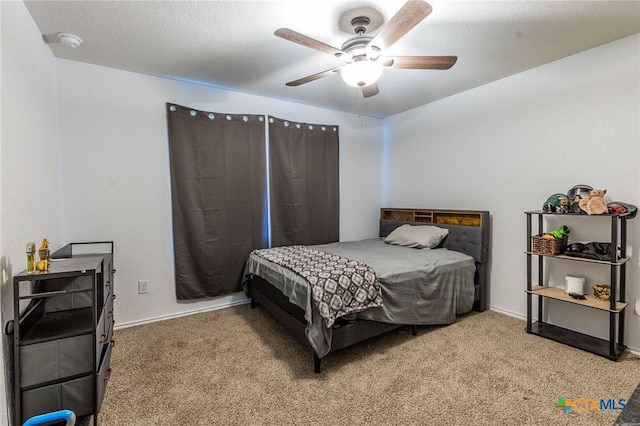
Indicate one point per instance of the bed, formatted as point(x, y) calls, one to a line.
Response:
point(418, 287)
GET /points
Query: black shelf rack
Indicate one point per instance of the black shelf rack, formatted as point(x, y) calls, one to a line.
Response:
point(610, 348)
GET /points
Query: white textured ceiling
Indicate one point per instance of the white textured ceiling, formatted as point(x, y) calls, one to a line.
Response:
point(230, 44)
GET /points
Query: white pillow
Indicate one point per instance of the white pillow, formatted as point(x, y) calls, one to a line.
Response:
point(417, 236)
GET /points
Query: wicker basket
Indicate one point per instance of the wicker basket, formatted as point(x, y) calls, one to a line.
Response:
point(549, 247)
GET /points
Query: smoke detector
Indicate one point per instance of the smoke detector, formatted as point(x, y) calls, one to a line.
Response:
point(69, 40)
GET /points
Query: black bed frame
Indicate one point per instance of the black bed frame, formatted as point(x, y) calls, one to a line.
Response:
point(469, 233)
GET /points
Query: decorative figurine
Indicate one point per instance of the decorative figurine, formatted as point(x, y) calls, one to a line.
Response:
point(594, 203)
point(43, 252)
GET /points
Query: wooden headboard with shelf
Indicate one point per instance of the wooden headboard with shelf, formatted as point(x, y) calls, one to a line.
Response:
point(449, 217)
point(469, 233)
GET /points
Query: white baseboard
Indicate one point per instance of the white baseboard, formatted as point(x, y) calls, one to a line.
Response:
point(508, 313)
point(181, 314)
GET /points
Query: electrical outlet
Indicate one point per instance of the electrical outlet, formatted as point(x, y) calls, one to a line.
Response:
point(143, 287)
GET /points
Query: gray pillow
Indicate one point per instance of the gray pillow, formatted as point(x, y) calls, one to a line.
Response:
point(417, 236)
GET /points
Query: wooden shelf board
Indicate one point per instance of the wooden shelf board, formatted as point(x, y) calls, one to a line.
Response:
point(591, 301)
point(579, 259)
point(577, 340)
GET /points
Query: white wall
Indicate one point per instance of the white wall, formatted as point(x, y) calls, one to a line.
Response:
point(29, 177)
point(116, 172)
point(506, 146)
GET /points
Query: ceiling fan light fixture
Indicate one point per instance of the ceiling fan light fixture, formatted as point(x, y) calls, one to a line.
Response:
point(361, 73)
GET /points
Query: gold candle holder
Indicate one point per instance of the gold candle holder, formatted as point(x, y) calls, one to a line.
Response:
point(31, 258)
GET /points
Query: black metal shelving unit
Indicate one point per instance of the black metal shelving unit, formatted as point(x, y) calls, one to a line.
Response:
point(62, 332)
point(610, 348)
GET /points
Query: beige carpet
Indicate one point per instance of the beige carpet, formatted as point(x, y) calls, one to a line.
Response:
point(238, 366)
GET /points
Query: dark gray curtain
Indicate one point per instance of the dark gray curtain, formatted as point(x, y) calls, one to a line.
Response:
point(304, 183)
point(218, 190)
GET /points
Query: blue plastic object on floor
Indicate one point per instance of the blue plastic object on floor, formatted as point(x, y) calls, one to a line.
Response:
point(67, 415)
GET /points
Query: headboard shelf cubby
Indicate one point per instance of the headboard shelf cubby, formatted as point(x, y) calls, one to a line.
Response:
point(449, 217)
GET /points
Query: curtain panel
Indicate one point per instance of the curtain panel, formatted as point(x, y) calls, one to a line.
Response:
point(218, 192)
point(304, 183)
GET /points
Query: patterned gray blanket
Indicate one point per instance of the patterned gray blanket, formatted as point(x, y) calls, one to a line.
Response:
point(339, 286)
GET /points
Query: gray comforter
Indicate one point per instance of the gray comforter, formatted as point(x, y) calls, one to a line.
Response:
point(419, 287)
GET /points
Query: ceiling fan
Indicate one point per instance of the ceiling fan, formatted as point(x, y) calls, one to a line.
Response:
point(363, 54)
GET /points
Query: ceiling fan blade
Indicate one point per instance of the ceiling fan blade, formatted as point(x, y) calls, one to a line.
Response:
point(306, 41)
point(387, 62)
point(370, 90)
point(313, 77)
point(423, 62)
point(410, 15)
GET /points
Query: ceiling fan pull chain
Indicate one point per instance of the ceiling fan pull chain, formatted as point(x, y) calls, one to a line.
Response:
point(360, 98)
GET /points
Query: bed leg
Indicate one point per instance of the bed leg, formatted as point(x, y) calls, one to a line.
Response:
point(414, 330)
point(316, 364)
point(253, 303)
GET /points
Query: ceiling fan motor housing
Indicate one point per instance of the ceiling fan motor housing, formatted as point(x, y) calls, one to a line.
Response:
point(360, 24)
point(358, 47)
